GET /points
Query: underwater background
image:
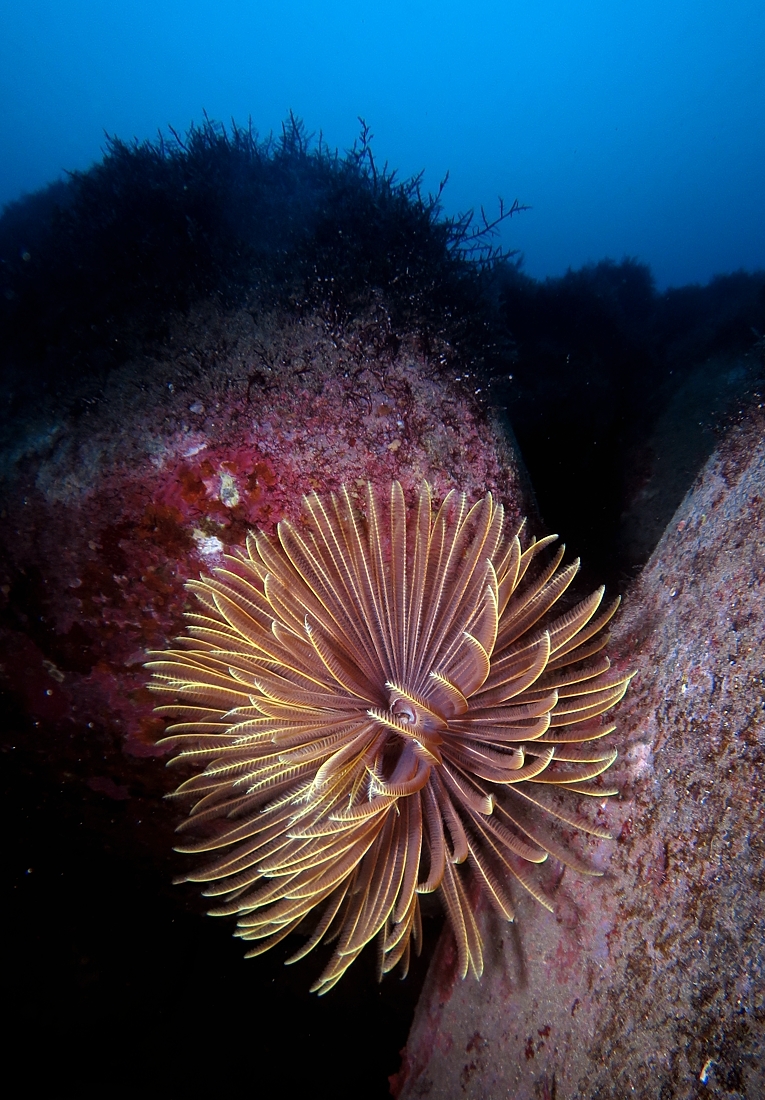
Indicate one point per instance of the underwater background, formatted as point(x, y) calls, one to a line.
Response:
point(230, 275)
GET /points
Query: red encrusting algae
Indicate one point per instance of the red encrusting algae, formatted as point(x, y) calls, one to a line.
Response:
point(169, 470)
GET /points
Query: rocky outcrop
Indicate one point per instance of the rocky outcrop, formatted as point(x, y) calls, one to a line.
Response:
point(647, 982)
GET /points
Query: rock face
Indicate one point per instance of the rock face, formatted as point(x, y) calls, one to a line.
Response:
point(108, 512)
point(647, 982)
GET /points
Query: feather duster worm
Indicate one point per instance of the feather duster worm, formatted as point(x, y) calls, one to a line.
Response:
point(378, 704)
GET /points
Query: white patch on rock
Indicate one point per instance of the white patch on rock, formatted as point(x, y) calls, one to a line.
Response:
point(207, 545)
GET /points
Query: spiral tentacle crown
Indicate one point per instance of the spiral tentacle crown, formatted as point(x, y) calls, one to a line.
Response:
point(379, 703)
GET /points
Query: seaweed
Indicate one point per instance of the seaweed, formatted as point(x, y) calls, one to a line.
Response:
point(92, 268)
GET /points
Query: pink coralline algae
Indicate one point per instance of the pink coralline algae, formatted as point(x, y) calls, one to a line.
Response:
point(109, 513)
